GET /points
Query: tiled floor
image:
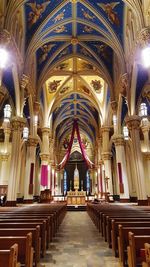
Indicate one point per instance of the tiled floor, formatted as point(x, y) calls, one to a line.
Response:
point(78, 244)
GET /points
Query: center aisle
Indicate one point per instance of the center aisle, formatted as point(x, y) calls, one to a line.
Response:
point(78, 244)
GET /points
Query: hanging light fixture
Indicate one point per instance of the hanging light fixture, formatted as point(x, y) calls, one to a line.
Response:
point(25, 133)
point(7, 113)
point(126, 133)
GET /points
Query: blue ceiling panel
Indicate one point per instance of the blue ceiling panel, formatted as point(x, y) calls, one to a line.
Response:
point(64, 13)
point(84, 13)
point(63, 29)
point(83, 29)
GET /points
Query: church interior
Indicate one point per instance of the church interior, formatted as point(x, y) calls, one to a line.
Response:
point(74, 133)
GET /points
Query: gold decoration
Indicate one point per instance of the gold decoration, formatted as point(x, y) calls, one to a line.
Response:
point(5, 38)
point(133, 122)
point(97, 86)
point(64, 89)
point(146, 93)
point(45, 49)
point(59, 17)
point(24, 81)
point(74, 41)
point(4, 156)
point(37, 11)
point(124, 84)
point(118, 140)
point(106, 156)
point(87, 15)
point(60, 29)
point(32, 141)
point(112, 15)
point(53, 86)
point(144, 37)
point(44, 157)
point(18, 123)
point(88, 29)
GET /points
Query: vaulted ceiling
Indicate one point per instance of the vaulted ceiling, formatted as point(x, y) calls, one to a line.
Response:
point(72, 45)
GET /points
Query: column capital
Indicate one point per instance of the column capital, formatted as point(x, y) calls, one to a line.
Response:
point(45, 130)
point(4, 156)
point(32, 141)
point(118, 140)
point(5, 37)
point(133, 122)
point(146, 155)
point(105, 129)
point(106, 156)
point(114, 105)
point(18, 123)
point(100, 162)
point(44, 156)
point(144, 37)
point(7, 130)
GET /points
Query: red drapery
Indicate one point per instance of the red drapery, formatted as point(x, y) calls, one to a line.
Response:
point(44, 175)
point(66, 157)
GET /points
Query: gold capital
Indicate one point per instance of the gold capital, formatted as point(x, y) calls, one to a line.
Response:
point(133, 122)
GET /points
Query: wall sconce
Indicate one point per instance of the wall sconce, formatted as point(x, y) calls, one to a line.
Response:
point(25, 133)
point(146, 56)
point(7, 113)
point(143, 110)
point(35, 120)
point(3, 58)
point(114, 120)
point(125, 132)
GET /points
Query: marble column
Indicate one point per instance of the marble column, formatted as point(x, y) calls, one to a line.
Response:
point(45, 152)
point(4, 157)
point(147, 171)
point(108, 172)
point(123, 188)
point(133, 123)
point(30, 167)
point(17, 126)
point(145, 131)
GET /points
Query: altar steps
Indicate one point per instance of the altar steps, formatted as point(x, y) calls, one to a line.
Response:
point(76, 208)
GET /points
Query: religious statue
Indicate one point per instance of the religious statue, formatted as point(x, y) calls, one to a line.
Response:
point(76, 179)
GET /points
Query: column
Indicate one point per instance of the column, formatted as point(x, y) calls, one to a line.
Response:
point(147, 171)
point(45, 157)
point(17, 127)
point(29, 181)
point(108, 173)
point(145, 131)
point(133, 123)
point(106, 156)
point(4, 157)
point(121, 167)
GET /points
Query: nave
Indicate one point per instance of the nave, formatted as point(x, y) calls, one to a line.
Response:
point(78, 244)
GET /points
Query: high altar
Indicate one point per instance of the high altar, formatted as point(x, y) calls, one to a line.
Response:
point(76, 197)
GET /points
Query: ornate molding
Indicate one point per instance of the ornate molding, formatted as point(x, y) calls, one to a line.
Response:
point(18, 123)
point(106, 156)
point(24, 81)
point(114, 105)
point(133, 122)
point(45, 130)
point(146, 155)
point(118, 140)
point(144, 37)
point(5, 38)
point(4, 157)
point(124, 84)
point(105, 129)
point(44, 157)
point(32, 141)
point(74, 41)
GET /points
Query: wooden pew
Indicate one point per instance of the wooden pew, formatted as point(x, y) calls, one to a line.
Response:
point(9, 258)
point(123, 240)
point(36, 242)
point(128, 223)
point(25, 250)
point(147, 255)
point(135, 250)
point(29, 225)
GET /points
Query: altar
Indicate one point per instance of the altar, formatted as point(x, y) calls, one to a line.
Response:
point(76, 197)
